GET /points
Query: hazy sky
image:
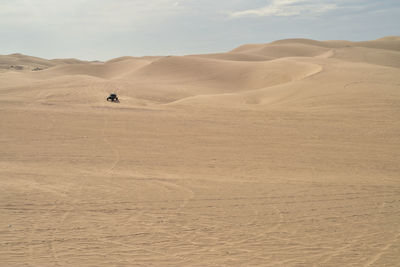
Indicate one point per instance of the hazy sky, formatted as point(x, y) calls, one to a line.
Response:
point(104, 29)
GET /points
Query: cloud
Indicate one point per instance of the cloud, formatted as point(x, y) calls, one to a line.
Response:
point(62, 12)
point(284, 8)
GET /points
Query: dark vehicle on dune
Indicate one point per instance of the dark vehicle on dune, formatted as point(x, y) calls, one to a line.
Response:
point(113, 98)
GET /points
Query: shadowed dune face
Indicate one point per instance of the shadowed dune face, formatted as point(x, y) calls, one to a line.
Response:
point(280, 154)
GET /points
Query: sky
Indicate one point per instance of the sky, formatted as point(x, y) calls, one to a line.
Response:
point(105, 29)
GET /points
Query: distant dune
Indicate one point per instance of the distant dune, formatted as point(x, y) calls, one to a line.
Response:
point(278, 154)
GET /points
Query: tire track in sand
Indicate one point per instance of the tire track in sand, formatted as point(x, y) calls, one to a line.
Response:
point(383, 250)
point(105, 139)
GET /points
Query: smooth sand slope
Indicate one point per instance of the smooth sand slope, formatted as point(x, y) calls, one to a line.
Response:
point(280, 154)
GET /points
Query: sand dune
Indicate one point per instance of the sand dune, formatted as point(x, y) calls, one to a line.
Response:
point(284, 50)
point(279, 154)
point(235, 56)
point(19, 62)
point(108, 70)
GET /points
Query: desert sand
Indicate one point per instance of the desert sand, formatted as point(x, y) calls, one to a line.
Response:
point(279, 154)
